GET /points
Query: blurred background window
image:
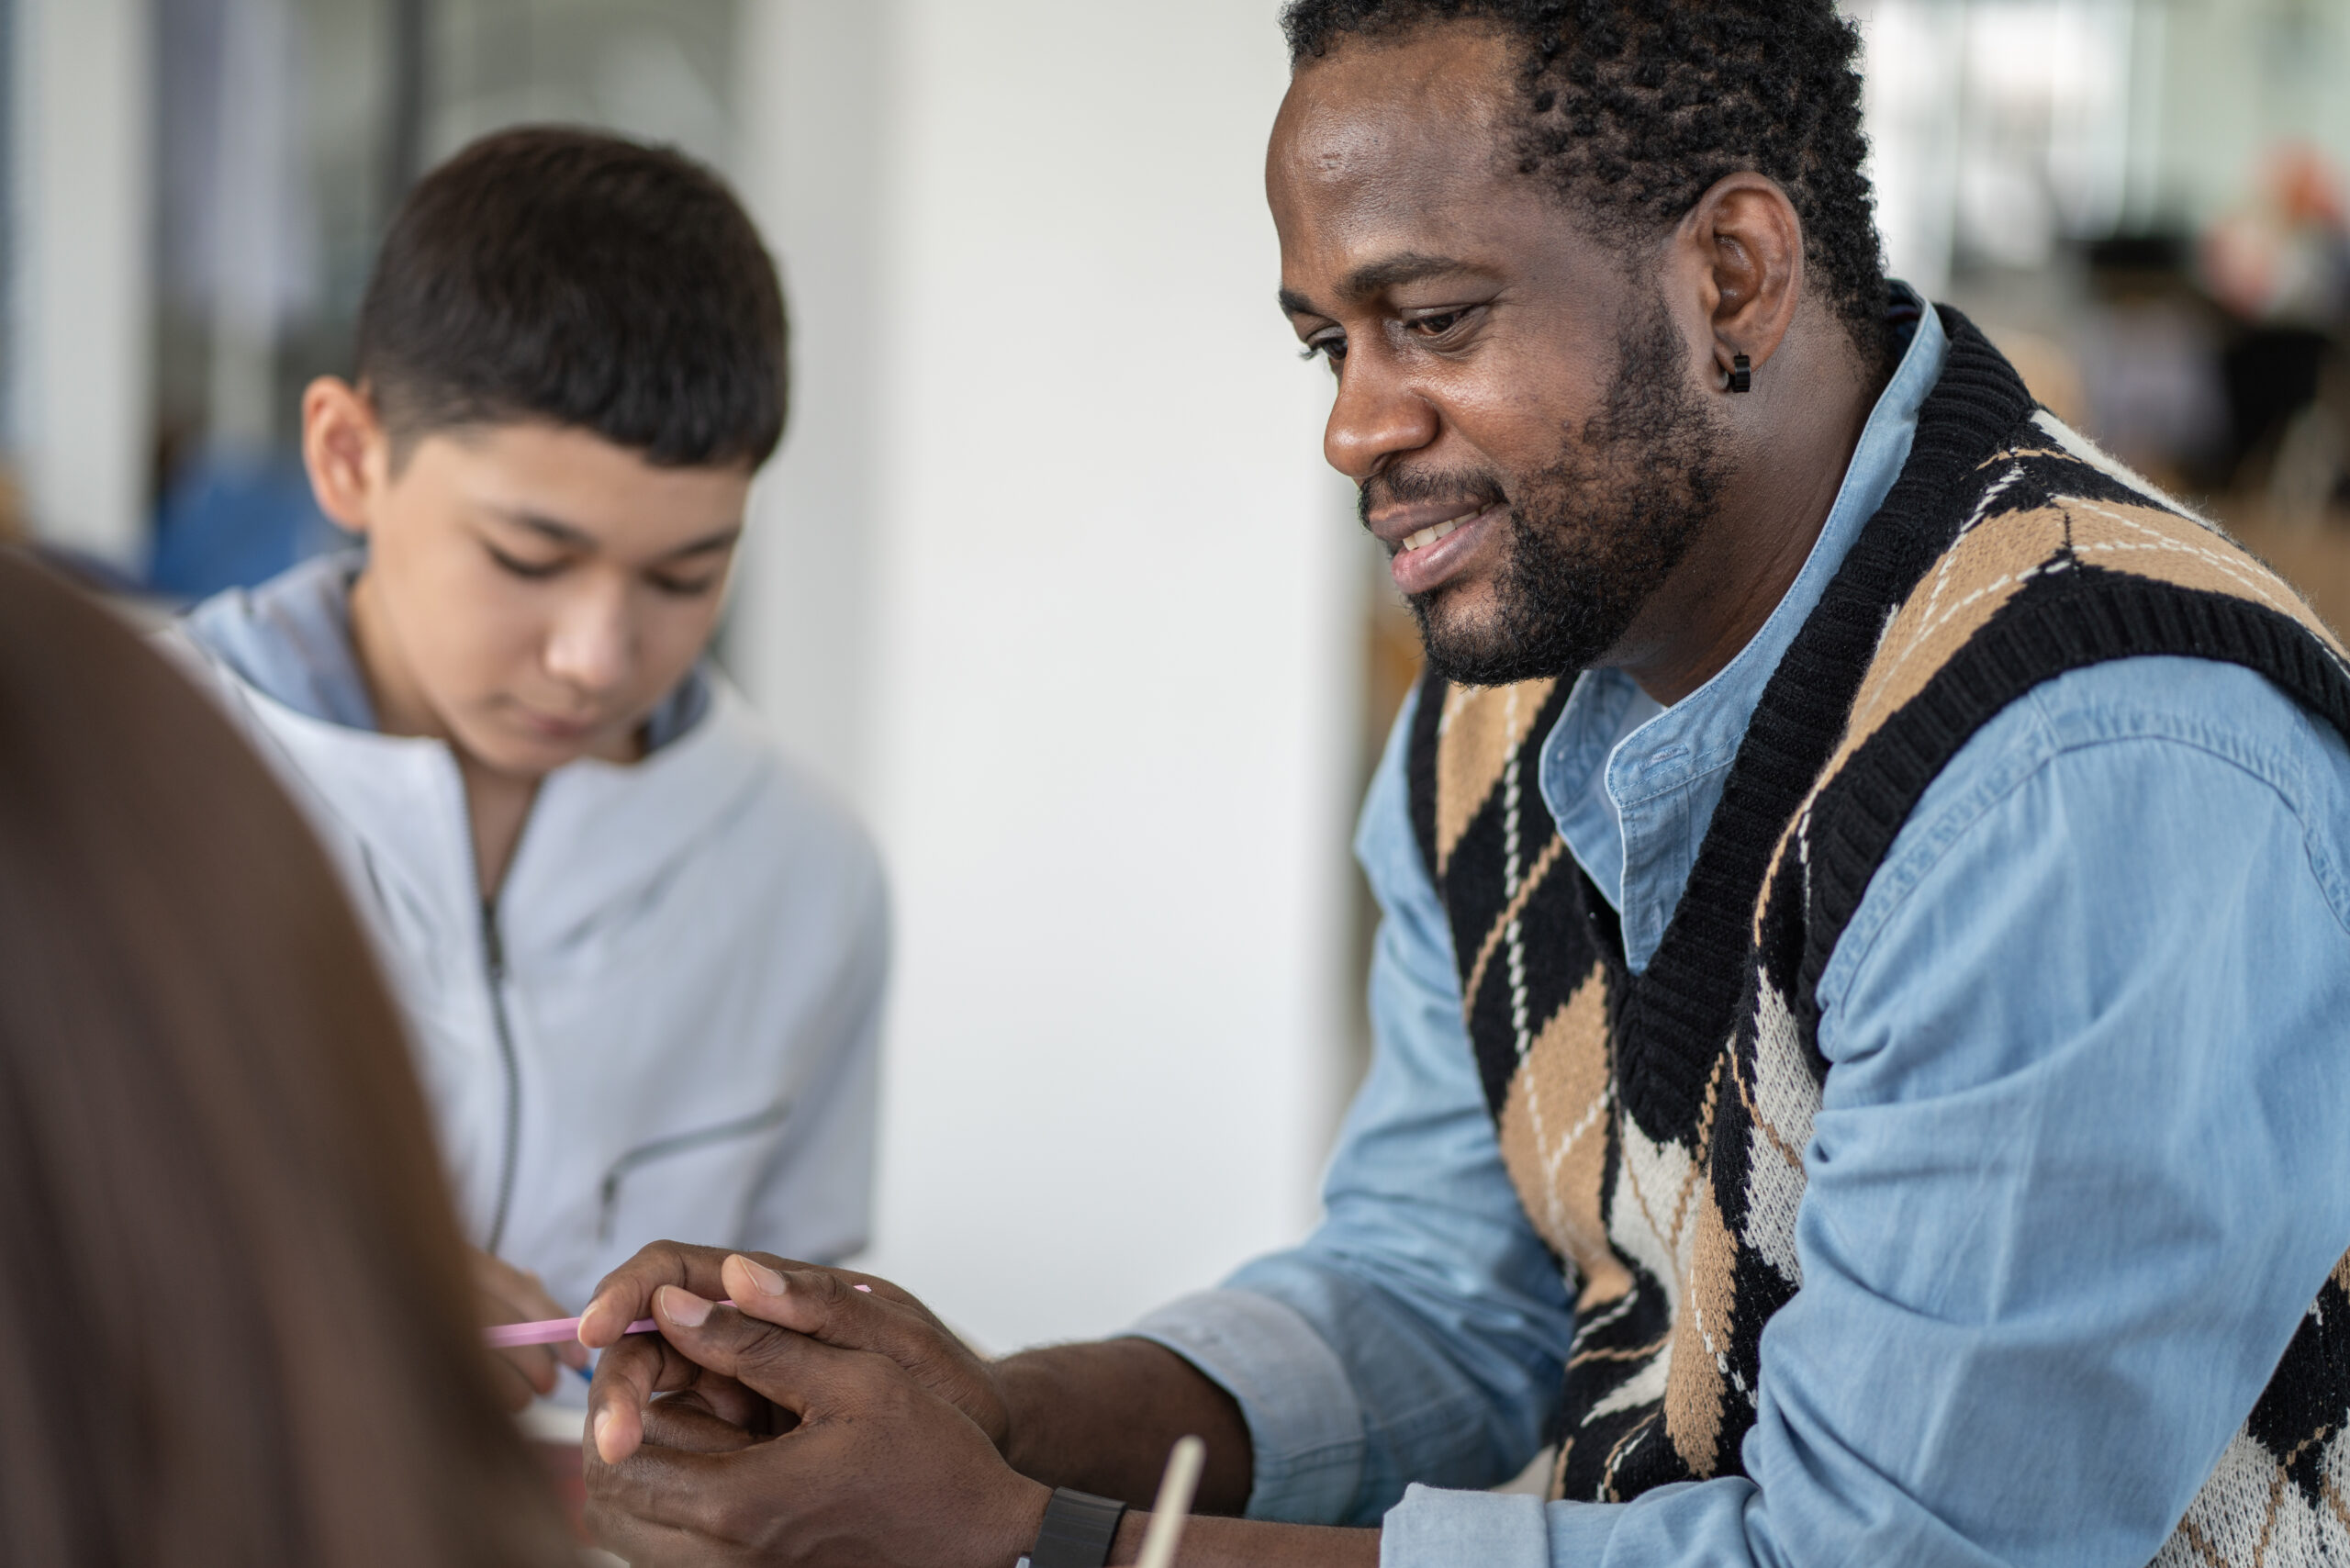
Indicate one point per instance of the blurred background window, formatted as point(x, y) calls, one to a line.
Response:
point(285, 131)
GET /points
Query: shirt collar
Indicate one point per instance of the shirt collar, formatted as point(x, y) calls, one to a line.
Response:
point(1633, 784)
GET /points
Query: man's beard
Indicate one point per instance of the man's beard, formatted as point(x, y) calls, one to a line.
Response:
point(1592, 536)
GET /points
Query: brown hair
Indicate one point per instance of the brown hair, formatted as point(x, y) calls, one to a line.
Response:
point(234, 1323)
point(556, 273)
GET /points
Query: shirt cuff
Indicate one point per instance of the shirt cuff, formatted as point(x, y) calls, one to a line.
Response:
point(1305, 1422)
point(1433, 1529)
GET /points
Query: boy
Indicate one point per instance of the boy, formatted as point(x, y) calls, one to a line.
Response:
point(642, 954)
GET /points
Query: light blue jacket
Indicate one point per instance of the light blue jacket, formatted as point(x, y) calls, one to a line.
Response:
point(2082, 1162)
point(667, 1024)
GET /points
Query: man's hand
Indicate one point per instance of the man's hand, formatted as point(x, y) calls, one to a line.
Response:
point(824, 1424)
point(823, 1304)
point(774, 1448)
point(508, 1295)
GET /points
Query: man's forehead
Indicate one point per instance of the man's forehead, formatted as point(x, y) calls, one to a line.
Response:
point(1437, 97)
point(1386, 155)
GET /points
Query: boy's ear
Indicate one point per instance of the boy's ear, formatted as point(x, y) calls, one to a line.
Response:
point(346, 450)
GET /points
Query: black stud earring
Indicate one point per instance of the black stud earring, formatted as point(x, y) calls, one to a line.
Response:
point(1742, 374)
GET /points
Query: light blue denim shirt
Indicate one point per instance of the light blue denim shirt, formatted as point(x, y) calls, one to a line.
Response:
point(2083, 1161)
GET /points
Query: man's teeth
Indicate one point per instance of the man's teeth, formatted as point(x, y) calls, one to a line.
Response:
point(1427, 536)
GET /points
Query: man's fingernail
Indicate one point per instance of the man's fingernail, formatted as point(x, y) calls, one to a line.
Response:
point(684, 1307)
point(766, 1279)
point(867, 1289)
point(603, 1425)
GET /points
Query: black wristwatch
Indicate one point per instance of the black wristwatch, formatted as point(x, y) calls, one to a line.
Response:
point(1077, 1533)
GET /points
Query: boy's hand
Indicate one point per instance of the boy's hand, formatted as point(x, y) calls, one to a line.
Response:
point(508, 1295)
point(825, 1304)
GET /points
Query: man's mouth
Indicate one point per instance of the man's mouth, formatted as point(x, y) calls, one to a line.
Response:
point(1427, 536)
point(1431, 555)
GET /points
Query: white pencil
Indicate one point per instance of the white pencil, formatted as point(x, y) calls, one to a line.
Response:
point(1167, 1515)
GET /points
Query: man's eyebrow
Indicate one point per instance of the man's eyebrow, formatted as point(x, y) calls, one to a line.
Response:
point(575, 537)
point(1377, 277)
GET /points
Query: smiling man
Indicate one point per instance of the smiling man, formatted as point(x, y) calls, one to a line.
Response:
point(642, 955)
point(1864, 999)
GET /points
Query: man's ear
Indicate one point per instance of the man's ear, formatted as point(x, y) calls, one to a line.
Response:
point(1749, 247)
point(346, 450)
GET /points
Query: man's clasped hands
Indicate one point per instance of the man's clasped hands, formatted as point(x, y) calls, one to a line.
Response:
point(809, 1422)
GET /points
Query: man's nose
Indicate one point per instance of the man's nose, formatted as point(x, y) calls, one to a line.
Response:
point(1377, 417)
point(591, 645)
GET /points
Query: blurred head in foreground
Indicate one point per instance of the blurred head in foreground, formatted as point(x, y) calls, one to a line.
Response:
point(234, 1324)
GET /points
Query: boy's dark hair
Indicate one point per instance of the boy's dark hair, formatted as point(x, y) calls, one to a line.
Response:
point(572, 277)
point(1634, 109)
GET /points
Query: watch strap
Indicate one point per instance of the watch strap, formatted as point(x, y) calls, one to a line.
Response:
point(1078, 1530)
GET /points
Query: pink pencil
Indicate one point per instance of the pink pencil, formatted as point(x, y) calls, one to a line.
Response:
point(555, 1330)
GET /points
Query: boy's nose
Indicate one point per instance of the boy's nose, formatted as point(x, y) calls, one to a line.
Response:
point(588, 647)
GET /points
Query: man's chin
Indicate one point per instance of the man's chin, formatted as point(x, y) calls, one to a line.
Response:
point(1468, 644)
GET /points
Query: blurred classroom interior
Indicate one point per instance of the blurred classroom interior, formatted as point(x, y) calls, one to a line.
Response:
point(1049, 578)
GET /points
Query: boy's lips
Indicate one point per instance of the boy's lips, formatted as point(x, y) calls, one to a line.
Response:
point(547, 727)
point(1432, 545)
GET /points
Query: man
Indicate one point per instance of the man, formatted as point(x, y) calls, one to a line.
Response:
point(1866, 966)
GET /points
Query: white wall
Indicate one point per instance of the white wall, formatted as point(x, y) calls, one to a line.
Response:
point(79, 375)
point(1098, 674)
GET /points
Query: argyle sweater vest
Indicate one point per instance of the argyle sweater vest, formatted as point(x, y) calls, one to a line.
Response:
point(1655, 1125)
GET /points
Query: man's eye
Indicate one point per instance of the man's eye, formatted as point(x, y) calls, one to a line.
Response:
point(536, 571)
point(684, 588)
point(1438, 325)
point(1332, 348)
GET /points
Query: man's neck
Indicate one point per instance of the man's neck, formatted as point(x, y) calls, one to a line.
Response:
point(1777, 502)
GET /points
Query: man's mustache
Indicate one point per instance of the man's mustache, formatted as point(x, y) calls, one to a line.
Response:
point(1408, 486)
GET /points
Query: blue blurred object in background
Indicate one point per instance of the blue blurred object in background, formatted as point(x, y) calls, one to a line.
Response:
point(230, 522)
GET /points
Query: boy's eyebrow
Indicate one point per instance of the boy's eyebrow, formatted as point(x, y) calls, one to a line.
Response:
point(706, 543)
point(574, 538)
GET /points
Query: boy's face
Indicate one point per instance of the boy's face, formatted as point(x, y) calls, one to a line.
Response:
point(532, 592)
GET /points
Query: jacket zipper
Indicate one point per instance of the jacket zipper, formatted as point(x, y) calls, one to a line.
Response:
point(494, 961)
point(678, 1143)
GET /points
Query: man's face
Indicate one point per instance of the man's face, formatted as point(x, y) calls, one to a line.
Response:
point(1521, 411)
point(536, 590)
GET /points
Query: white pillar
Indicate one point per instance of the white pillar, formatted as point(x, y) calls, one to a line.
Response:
point(810, 163)
point(81, 396)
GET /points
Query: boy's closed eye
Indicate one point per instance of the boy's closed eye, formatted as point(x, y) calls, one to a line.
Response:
point(685, 588)
point(532, 570)
point(676, 585)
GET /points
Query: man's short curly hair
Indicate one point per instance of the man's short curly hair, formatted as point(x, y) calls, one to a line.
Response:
point(1637, 106)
